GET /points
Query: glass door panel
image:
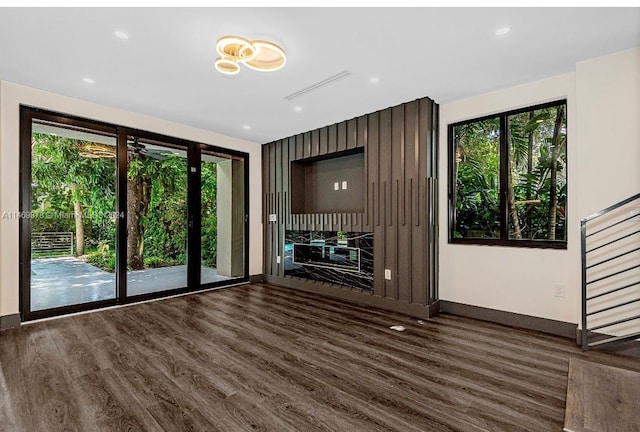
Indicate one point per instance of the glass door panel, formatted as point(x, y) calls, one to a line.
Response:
point(222, 217)
point(156, 217)
point(72, 216)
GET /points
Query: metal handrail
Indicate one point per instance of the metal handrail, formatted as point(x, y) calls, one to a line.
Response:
point(610, 208)
point(607, 246)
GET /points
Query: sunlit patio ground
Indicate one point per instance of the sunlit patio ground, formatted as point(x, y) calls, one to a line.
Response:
point(57, 282)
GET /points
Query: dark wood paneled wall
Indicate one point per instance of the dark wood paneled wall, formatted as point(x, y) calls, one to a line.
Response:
point(400, 145)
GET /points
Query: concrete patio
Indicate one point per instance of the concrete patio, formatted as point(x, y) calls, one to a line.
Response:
point(57, 282)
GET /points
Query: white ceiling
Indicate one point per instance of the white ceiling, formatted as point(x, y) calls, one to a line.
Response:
point(165, 69)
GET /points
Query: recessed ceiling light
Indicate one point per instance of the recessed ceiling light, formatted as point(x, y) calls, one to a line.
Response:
point(503, 31)
point(121, 34)
point(297, 108)
point(246, 127)
point(89, 80)
point(374, 80)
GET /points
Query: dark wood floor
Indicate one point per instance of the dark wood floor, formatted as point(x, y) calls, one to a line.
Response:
point(602, 398)
point(256, 357)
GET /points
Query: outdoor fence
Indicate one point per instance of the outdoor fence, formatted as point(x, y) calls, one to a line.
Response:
point(51, 244)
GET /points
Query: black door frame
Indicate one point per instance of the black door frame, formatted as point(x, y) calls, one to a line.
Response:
point(194, 150)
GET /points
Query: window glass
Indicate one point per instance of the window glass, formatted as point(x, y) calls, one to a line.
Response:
point(537, 174)
point(509, 178)
point(477, 179)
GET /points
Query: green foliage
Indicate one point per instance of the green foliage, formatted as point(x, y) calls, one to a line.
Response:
point(532, 184)
point(165, 221)
point(477, 147)
point(103, 257)
point(154, 262)
point(209, 214)
point(531, 151)
point(60, 167)
point(61, 175)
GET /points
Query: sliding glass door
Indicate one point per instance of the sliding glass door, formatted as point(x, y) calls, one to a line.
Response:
point(72, 215)
point(156, 217)
point(110, 215)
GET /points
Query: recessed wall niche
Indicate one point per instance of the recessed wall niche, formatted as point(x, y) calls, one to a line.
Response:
point(329, 184)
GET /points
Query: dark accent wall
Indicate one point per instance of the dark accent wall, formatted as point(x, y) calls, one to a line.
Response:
point(313, 185)
point(400, 155)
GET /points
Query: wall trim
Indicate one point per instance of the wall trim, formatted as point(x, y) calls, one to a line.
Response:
point(9, 321)
point(544, 325)
point(355, 296)
point(434, 309)
point(256, 278)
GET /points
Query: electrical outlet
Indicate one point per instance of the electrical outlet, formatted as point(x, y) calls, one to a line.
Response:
point(344, 184)
point(387, 274)
point(558, 290)
point(336, 186)
point(273, 217)
point(278, 259)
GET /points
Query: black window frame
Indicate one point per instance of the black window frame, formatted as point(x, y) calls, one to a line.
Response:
point(504, 239)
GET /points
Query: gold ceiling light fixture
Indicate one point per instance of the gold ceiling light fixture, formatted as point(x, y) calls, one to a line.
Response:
point(258, 55)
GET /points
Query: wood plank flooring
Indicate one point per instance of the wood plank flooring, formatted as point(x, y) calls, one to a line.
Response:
point(257, 357)
point(602, 398)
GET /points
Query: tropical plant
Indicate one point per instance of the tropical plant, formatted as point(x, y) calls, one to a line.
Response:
point(65, 183)
point(209, 214)
point(477, 156)
point(536, 184)
point(67, 180)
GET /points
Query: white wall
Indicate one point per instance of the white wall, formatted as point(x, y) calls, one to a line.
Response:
point(12, 95)
point(608, 132)
point(603, 103)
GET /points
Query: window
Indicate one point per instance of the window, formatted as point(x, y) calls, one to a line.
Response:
point(508, 178)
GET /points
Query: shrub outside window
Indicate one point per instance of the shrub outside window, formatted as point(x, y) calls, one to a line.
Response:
point(508, 178)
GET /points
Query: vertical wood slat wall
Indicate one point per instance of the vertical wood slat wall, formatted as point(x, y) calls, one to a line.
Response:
point(400, 145)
